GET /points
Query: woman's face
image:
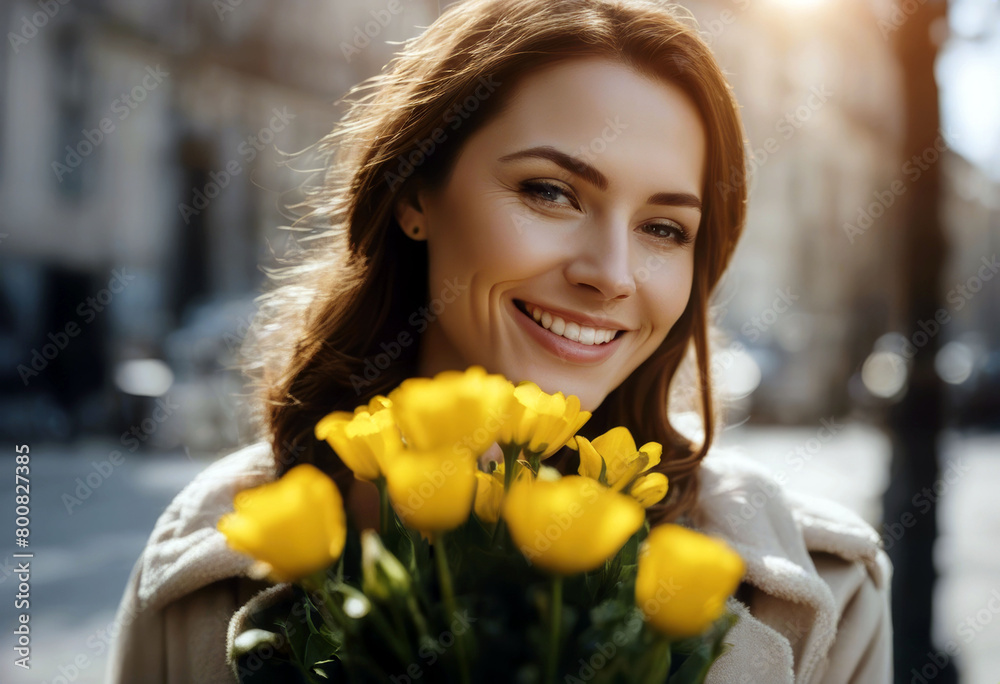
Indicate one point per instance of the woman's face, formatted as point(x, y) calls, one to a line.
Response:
point(582, 199)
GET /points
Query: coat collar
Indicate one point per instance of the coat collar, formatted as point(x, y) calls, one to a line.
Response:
point(185, 551)
point(775, 531)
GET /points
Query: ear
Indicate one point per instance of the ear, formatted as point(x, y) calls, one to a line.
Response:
point(410, 215)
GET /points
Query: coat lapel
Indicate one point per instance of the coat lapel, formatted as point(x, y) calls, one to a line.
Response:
point(741, 503)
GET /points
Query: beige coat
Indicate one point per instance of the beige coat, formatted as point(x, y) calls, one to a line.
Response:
point(814, 608)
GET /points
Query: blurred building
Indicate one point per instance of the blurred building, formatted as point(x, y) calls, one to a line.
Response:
point(142, 145)
point(815, 283)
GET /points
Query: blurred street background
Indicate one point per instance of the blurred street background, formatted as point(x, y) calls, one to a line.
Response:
point(143, 180)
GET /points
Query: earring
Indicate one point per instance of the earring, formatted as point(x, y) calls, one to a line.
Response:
point(415, 231)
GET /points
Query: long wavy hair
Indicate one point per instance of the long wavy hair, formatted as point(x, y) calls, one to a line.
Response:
point(327, 333)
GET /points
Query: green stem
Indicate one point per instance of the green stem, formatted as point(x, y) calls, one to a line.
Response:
point(660, 656)
point(448, 594)
point(350, 625)
point(496, 531)
point(418, 618)
point(534, 461)
point(555, 620)
point(510, 454)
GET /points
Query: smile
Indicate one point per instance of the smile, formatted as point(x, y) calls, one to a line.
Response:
point(570, 330)
point(581, 353)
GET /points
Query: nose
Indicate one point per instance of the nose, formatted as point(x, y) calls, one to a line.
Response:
point(602, 259)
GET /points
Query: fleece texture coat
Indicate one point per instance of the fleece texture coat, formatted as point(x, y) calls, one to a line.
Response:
point(813, 606)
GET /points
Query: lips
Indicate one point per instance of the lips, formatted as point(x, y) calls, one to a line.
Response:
point(582, 333)
point(561, 347)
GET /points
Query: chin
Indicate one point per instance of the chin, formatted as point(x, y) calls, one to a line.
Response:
point(552, 382)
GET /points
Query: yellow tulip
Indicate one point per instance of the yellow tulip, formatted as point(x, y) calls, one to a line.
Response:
point(362, 440)
point(541, 422)
point(377, 403)
point(569, 525)
point(625, 462)
point(684, 578)
point(295, 525)
point(489, 490)
point(432, 491)
point(489, 494)
point(649, 489)
point(464, 409)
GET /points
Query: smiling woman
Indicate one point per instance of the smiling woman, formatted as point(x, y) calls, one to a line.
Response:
point(573, 171)
point(524, 222)
point(594, 191)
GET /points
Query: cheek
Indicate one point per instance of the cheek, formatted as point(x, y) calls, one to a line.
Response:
point(667, 291)
point(495, 241)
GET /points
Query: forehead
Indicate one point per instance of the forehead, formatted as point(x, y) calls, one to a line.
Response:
point(628, 125)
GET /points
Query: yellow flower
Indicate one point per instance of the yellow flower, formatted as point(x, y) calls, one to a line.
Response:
point(569, 525)
point(362, 440)
point(377, 403)
point(489, 494)
point(649, 489)
point(684, 578)
point(489, 490)
point(624, 464)
point(295, 525)
point(432, 491)
point(454, 408)
point(542, 422)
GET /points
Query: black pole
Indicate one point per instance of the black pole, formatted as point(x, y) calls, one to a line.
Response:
point(916, 421)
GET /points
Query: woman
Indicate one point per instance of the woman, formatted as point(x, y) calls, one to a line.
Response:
point(551, 190)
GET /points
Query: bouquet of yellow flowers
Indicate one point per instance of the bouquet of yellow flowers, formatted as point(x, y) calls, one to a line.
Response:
point(519, 574)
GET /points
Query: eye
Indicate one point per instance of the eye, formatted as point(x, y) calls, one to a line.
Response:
point(545, 192)
point(669, 231)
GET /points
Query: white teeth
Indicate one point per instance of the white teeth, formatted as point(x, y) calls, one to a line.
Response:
point(572, 331)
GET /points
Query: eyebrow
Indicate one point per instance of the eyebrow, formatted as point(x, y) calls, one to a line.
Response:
point(577, 166)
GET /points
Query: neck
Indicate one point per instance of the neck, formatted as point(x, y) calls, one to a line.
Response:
point(437, 353)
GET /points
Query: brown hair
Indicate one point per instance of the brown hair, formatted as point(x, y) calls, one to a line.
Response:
point(326, 336)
